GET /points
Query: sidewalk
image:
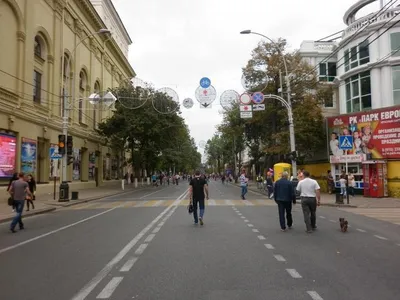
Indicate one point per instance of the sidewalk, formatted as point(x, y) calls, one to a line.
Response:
point(357, 201)
point(45, 203)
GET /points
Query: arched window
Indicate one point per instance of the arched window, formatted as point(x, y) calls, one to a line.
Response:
point(82, 95)
point(97, 91)
point(38, 47)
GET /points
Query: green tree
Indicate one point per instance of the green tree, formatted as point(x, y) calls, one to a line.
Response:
point(151, 137)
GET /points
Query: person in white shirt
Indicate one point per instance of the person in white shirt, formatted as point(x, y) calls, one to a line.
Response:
point(310, 198)
point(243, 184)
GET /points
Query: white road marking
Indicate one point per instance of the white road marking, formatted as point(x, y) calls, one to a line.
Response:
point(333, 221)
point(246, 221)
point(161, 224)
point(269, 246)
point(149, 238)
point(240, 214)
point(360, 230)
point(250, 225)
point(261, 237)
point(228, 202)
point(141, 203)
point(110, 288)
point(56, 230)
point(293, 273)
point(91, 285)
point(398, 245)
point(255, 230)
point(248, 203)
point(314, 295)
point(151, 193)
point(243, 217)
point(157, 229)
point(141, 248)
point(279, 257)
point(212, 202)
point(380, 237)
point(128, 265)
point(322, 217)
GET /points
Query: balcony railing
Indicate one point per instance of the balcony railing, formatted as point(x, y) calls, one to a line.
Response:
point(371, 19)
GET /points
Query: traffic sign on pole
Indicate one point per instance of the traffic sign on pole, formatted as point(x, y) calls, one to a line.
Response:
point(245, 98)
point(346, 142)
point(258, 98)
point(205, 82)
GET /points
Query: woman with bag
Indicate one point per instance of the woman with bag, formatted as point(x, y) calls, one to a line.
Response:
point(32, 188)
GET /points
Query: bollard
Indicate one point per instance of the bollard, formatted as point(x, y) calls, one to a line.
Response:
point(148, 180)
point(142, 182)
point(123, 184)
point(136, 183)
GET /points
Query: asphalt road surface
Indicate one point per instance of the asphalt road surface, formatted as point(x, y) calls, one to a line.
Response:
point(143, 245)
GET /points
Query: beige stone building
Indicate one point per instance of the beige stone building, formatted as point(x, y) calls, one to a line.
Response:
point(48, 47)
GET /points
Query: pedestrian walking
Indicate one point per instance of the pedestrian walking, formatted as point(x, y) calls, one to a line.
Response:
point(243, 184)
point(19, 189)
point(198, 192)
point(284, 196)
point(310, 195)
point(32, 188)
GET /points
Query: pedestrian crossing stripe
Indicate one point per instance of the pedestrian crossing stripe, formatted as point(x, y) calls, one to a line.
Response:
point(164, 203)
point(391, 215)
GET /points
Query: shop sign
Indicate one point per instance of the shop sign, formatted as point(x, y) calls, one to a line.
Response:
point(351, 158)
point(376, 134)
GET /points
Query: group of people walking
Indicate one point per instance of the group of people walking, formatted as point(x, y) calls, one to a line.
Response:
point(285, 197)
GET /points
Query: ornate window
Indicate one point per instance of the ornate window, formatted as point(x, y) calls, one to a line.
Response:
point(358, 92)
point(38, 47)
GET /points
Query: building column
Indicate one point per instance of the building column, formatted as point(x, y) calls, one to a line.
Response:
point(376, 84)
point(84, 164)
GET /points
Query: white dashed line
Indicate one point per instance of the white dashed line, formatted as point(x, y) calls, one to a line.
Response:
point(128, 265)
point(380, 237)
point(333, 221)
point(322, 217)
point(261, 237)
point(140, 249)
point(110, 288)
point(243, 217)
point(157, 229)
point(250, 225)
point(279, 258)
point(269, 246)
point(360, 230)
point(293, 273)
point(255, 230)
point(246, 221)
point(149, 238)
point(398, 245)
point(240, 214)
point(314, 295)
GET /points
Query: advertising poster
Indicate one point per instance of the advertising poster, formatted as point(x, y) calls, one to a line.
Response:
point(28, 156)
point(76, 165)
point(55, 162)
point(8, 148)
point(376, 135)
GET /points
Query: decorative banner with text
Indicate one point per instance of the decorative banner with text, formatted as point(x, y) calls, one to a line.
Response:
point(376, 133)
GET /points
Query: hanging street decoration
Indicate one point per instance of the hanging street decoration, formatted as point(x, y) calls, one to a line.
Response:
point(205, 96)
point(188, 103)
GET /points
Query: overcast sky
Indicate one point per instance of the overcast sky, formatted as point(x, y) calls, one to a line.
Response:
point(176, 42)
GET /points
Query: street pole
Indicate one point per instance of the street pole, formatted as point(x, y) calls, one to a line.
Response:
point(289, 102)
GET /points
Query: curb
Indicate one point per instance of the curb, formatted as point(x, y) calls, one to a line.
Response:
point(76, 202)
point(38, 212)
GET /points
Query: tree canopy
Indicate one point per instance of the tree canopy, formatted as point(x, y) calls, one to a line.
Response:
point(157, 140)
point(266, 135)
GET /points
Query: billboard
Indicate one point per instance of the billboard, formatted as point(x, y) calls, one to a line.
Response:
point(8, 148)
point(376, 135)
point(28, 156)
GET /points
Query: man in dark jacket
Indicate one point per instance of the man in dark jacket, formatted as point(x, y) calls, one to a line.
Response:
point(284, 196)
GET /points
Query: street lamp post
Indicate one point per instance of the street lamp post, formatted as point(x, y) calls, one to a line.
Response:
point(287, 103)
point(64, 187)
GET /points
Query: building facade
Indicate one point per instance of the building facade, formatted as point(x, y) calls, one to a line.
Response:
point(51, 53)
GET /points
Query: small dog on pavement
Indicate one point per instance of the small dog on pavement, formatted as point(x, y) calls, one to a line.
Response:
point(343, 224)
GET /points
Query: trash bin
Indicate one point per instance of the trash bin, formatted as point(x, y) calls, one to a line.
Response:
point(74, 195)
point(339, 197)
point(64, 192)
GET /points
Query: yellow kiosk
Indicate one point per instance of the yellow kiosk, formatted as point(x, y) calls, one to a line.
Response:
point(279, 168)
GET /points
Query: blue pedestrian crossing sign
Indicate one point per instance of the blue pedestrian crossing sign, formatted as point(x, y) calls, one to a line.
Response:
point(346, 142)
point(54, 153)
point(205, 82)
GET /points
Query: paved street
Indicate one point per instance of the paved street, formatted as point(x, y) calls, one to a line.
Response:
point(143, 245)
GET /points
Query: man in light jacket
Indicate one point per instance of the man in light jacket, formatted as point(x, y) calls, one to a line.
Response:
point(284, 196)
